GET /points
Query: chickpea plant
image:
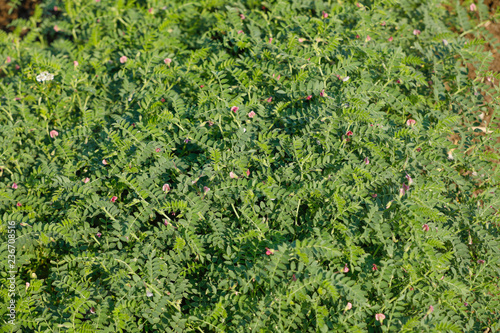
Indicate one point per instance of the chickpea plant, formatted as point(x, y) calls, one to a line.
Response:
point(248, 166)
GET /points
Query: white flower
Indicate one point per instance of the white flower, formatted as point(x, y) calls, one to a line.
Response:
point(45, 76)
point(345, 79)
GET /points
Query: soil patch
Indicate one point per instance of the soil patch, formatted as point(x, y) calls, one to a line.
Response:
point(24, 11)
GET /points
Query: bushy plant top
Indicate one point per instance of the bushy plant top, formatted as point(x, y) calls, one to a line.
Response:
point(247, 166)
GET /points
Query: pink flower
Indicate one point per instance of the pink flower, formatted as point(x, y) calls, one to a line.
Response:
point(382, 24)
point(390, 39)
point(374, 268)
point(401, 192)
point(8, 59)
point(166, 222)
point(410, 180)
point(367, 161)
point(206, 189)
point(201, 86)
point(27, 285)
point(416, 32)
point(472, 7)
point(75, 63)
point(425, 227)
point(349, 133)
point(251, 114)
point(301, 40)
point(113, 199)
point(349, 306)
point(167, 61)
point(166, 188)
point(56, 8)
point(431, 309)
point(18, 204)
point(123, 59)
point(398, 81)
point(269, 251)
point(232, 175)
point(248, 172)
point(294, 278)
point(241, 32)
point(98, 234)
point(410, 122)
point(242, 16)
point(104, 162)
point(380, 317)
point(309, 97)
point(322, 93)
point(419, 149)
point(358, 5)
point(210, 123)
point(368, 38)
point(56, 28)
point(325, 15)
point(14, 186)
point(374, 195)
point(162, 100)
point(406, 187)
point(86, 180)
point(234, 109)
point(346, 269)
point(270, 40)
point(357, 36)
point(186, 140)
point(97, 0)
point(270, 99)
point(150, 10)
point(157, 150)
point(480, 261)
point(279, 75)
point(53, 134)
point(17, 66)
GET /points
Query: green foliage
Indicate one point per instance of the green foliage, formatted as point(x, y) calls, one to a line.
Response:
point(272, 222)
